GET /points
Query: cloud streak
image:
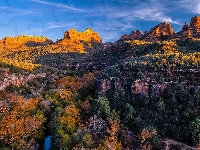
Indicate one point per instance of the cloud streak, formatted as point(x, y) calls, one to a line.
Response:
point(50, 27)
point(16, 12)
point(59, 5)
point(153, 11)
point(192, 6)
point(55, 25)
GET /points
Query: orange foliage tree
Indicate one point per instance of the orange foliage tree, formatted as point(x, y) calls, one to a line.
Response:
point(21, 120)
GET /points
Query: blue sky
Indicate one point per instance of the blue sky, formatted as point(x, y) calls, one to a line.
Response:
point(110, 18)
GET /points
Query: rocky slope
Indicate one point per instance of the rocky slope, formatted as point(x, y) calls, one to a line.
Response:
point(7, 78)
point(25, 51)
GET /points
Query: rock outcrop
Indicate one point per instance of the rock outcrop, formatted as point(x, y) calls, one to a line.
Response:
point(79, 40)
point(195, 23)
point(185, 27)
point(164, 31)
point(192, 30)
point(8, 78)
point(159, 32)
point(135, 35)
point(140, 87)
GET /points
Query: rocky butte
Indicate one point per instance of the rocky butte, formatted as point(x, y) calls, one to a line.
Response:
point(80, 40)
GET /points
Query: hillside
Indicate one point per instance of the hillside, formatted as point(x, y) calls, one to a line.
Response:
point(140, 92)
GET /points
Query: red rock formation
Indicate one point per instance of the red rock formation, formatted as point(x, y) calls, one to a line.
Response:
point(194, 27)
point(158, 32)
point(162, 29)
point(185, 27)
point(34, 44)
point(78, 40)
point(192, 31)
point(195, 22)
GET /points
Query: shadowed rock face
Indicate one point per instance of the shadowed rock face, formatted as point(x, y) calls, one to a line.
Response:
point(34, 44)
point(135, 35)
point(185, 27)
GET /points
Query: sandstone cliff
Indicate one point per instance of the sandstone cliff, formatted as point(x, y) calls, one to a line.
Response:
point(79, 40)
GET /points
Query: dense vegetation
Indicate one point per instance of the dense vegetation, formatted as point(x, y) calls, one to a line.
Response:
point(132, 95)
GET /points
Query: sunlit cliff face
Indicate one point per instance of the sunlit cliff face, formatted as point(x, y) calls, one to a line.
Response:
point(72, 38)
point(79, 39)
point(21, 42)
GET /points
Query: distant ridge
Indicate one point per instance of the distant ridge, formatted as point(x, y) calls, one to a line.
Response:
point(164, 31)
point(80, 41)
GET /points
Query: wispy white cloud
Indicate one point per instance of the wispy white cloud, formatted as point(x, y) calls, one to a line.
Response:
point(108, 36)
point(55, 25)
point(121, 19)
point(153, 14)
point(152, 11)
point(111, 30)
point(50, 27)
point(191, 6)
point(66, 7)
point(113, 25)
point(15, 12)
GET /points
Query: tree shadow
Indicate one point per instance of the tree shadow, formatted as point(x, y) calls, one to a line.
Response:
point(61, 60)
